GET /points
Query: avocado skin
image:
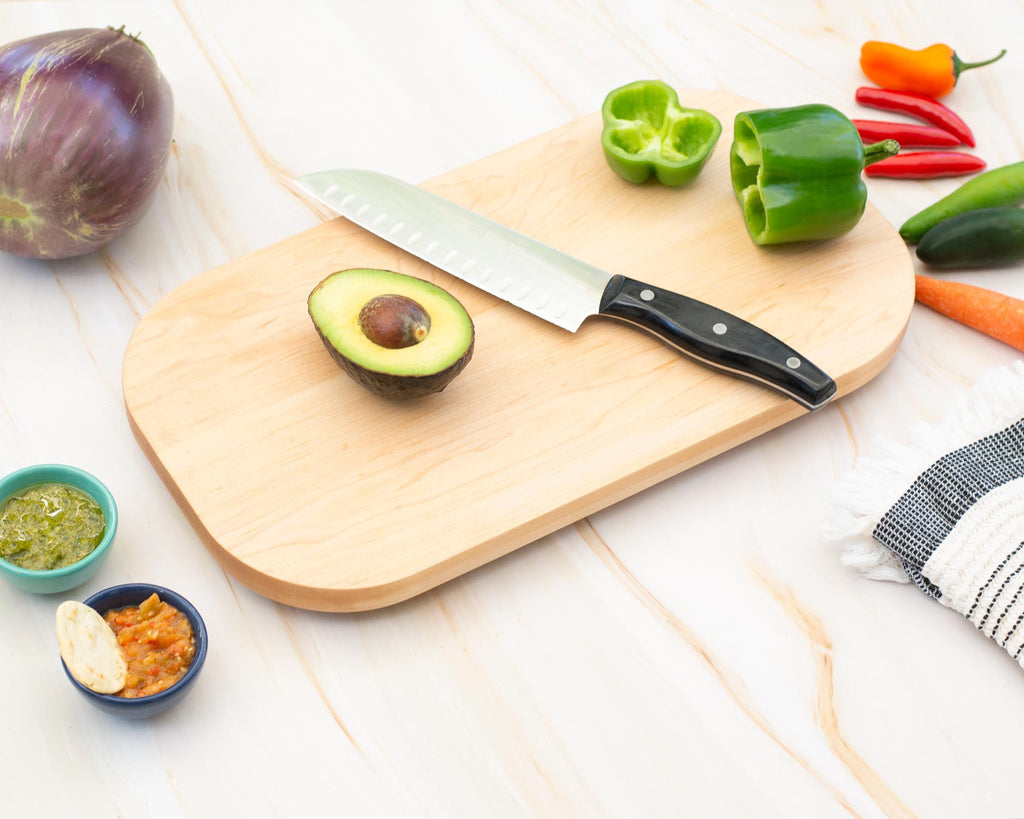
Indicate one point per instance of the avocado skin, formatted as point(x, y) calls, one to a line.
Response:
point(350, 288)
point(399, 387)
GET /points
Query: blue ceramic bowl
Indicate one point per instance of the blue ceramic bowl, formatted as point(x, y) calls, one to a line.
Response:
point(132, 594)
point(51, 581)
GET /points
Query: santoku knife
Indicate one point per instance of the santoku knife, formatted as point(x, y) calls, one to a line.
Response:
point(557, 287)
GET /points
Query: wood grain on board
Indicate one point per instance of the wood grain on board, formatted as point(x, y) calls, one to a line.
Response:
point(318, 494)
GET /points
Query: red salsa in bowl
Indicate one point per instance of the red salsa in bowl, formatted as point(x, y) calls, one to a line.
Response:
point(157, 642)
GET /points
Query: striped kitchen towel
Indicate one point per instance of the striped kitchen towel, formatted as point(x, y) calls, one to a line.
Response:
point(944, 509)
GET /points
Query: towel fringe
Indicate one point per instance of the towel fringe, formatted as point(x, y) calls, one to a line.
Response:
point(864, 494)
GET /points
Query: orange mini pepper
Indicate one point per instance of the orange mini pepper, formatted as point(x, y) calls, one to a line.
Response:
point(932, 71)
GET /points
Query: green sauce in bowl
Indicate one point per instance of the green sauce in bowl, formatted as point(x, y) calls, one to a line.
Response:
point(48, 526)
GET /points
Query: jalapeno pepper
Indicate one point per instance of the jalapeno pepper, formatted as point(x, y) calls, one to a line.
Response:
point(647, 132)
point(797, 172)
point(1003, 186)
point(986, 237)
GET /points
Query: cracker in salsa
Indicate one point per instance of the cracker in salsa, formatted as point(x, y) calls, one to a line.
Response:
point(89, 648)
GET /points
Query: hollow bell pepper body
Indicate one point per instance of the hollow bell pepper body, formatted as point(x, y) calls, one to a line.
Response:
point(797, 172)
point(647, 132)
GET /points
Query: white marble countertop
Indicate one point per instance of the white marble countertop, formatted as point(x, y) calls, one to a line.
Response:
point(665, 657)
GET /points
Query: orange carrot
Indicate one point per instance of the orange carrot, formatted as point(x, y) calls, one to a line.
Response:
point(994, 314)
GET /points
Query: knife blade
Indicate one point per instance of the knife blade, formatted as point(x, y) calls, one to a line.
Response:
point(557, 287)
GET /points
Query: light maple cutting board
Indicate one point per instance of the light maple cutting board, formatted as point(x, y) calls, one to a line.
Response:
point(318, 494)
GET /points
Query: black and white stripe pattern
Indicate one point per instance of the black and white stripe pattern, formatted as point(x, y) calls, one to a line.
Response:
point(923, 517)
point(979, 567)
point(945, 510)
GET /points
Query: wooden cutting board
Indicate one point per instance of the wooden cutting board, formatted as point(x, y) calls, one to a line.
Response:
point(320, 495)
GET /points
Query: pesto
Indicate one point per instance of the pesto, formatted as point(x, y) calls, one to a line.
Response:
point(48, 526)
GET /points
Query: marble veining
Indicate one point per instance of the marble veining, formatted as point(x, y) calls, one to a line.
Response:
point(696, 650)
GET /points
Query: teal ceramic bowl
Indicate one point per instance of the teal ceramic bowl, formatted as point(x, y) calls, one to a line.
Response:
point(51, 581)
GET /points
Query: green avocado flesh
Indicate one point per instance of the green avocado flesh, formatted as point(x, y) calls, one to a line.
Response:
point(412, 339)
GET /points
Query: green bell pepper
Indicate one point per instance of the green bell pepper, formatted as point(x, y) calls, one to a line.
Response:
point(797, 172)
point(646, 131)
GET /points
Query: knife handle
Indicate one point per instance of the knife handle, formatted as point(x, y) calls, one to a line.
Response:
point(718, 339)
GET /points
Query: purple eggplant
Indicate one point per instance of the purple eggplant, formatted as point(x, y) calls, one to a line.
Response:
point(85, 135)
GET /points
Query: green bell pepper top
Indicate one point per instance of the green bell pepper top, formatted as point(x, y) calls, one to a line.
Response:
point(797, 172)
point(647, 132)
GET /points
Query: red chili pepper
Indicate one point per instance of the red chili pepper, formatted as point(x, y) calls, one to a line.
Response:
point(927, 165)
point(906, 134)
point(919, 105)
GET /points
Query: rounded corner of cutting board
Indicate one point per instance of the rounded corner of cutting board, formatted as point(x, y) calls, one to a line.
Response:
point(337, 599)
point(343, 595)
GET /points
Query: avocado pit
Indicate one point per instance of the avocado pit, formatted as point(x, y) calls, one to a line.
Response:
point(394, 321)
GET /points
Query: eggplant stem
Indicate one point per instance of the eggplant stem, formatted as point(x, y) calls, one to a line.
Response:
point(136, 37)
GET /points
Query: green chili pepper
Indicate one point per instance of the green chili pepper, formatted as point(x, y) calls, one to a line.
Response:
point(978, 238)
point(995, 188)
point(646, 131)
point(797, 172)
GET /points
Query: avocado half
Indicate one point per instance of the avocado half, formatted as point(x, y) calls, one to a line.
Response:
point(398, 336)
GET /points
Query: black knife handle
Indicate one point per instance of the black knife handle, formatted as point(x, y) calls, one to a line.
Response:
point(718, 339)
